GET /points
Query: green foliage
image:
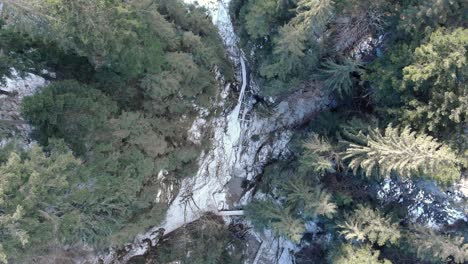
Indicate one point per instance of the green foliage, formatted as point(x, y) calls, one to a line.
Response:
point(14, 53)
point(104, 31)
point(289, 50)
point(260, 15)
point(437, 247)
point(439, 71)
point(69, 110)
point(368, 224)
point(152, 61)
point(319, 156)
point(422, 84)
point(31, 196)
point(349, 254)
point(422, 17)
point(309, 201)
point(266, 214)
point(337, 77)
point(286, 52)
point(314, 15)
point(205, 241)
point(405, 152)
point(386, 77)
point(301, 202)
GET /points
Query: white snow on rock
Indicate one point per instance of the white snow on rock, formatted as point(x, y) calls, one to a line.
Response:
point(19, 87)
point(23, 86)
point(426, 203)
point(195, 133)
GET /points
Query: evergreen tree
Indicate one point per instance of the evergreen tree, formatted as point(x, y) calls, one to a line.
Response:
point(423, 84)
point(349, 254)
point(289, 227)
point(337, 77)
point(314, 15)
point(439, 72)
point(319, 156)
point(404, 152)
point(436, 247)
point(368, 224)
point(309, 201)
point(422, 17)
point(32, 189)
point(289, 51)
point(69, 110)
point(259, 17)
point(154, 58)
point(266, 214)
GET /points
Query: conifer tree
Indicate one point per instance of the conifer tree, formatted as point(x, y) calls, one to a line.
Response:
point(288, 49)
point(266, 214)
point(289, 227)
point(319, 156)
point(69, 110)
point(314, 15)
point(439, 73)
point(337, 77)
point(404, 152)
point(260, 15)
point(436, 247)
point(423, 17)
point(349, 254)
point(368, 224)
point(32, 189)
point(307, 200)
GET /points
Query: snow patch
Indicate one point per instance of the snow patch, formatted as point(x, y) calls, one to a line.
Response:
point(19, 87)
point(426, 203)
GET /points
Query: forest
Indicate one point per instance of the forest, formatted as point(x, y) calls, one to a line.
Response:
point(109, 130)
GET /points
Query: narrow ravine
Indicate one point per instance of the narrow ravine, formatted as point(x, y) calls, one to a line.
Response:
point(205, 192)
point(233, 153)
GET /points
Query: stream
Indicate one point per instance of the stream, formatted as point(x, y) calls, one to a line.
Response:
point(234, 155)
point(206, 191)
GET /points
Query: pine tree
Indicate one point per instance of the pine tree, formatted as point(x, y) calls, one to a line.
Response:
point(368, 224)
point(289, 48)
point(32, 191)
point(319, 156)
point(337, 77)
point(289, 227)
point(404, 152)
point(309, 201)
point(314, 15)
point(265, 214)
point(439, 72)
point(69, 110)
point(260, 15)
point(433, 246)
point(349, 254)
point(425, 16)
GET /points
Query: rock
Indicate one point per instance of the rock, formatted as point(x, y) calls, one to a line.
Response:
point(195, 133)
point(426, 203)
point(18, 87)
